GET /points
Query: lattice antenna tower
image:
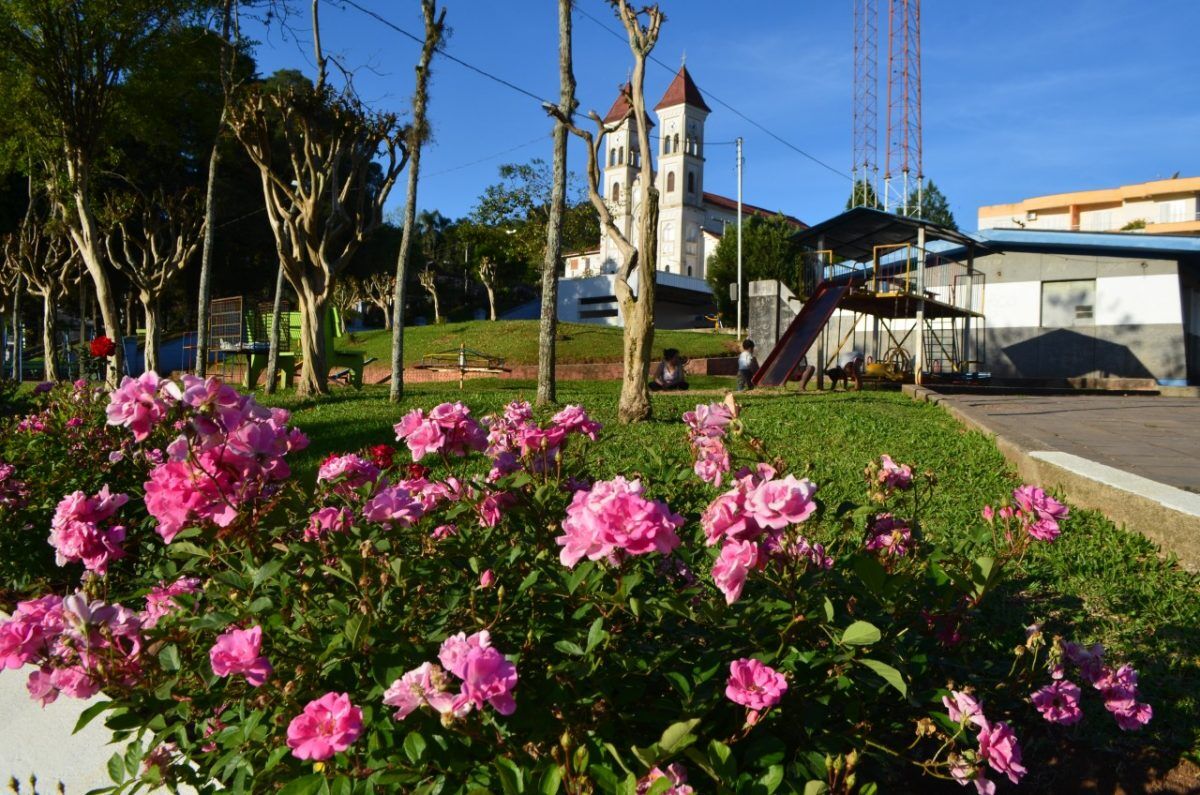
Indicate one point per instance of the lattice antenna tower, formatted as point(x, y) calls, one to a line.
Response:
point(865, 170)
point(903, 172)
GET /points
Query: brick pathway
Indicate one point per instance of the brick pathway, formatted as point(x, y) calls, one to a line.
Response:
point(1154, 437)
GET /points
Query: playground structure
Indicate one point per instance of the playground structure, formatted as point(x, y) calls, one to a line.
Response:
point(882, 291)
point(462, 361)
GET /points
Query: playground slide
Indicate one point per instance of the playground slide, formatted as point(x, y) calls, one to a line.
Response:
point(800, 335)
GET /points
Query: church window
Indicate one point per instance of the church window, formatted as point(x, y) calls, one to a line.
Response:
point(621, 156)
point(670, 181)
point(666, 144)
point(668, 239)
point(612, 156)
point(676, 145)
point(691, 182)
point(616, 192)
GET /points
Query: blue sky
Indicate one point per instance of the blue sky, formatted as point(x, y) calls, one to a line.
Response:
point(1021, 98)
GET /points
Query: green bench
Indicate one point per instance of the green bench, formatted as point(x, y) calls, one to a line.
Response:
point(349, 365)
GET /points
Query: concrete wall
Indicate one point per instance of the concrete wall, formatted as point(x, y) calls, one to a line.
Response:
point(771, 307)
point(1136, 330)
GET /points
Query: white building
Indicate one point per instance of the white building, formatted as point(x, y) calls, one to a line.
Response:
point(691, 221)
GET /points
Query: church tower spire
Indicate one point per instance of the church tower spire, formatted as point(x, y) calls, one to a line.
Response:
point(681, 115)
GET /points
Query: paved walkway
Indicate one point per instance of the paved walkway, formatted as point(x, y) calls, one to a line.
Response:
point(1131, 458)
point(1157, 438)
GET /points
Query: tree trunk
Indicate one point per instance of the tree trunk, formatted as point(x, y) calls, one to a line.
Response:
point(314, 373)
point(548, 326)
point(491, 301)
point(273, 353)
point(129, 328)
point(49, 332)
point(635, 386)
point(16, 331)
point(437, 312)
point(153, 341)
point(87, 241)
point(433, 36)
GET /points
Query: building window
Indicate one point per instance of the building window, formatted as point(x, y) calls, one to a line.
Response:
point(621, 156)
point(689, 270)
point(675, 146)
point(670, 181)
point(612, 156)
point(616, 192)
point(691, 182)
point(668, 238)
point(1068, 303)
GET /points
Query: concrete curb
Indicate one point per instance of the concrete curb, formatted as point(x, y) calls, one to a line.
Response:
point(1168, 516)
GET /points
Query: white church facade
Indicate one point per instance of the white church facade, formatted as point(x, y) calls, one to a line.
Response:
point(691, 220)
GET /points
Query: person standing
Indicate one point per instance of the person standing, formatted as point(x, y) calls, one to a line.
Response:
point(747, 366)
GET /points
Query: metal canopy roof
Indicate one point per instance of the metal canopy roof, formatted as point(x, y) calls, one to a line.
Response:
point(854, 234)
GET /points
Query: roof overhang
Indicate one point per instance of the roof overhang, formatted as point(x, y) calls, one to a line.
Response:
point(855, 233)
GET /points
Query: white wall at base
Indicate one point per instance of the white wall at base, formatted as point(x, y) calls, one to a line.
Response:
point(1137, 300)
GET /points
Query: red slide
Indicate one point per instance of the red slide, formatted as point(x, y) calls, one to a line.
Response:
point(800, 335)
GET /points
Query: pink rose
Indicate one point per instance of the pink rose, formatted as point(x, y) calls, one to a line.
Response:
point(327, 520)
point(734, 564)
point(423, 686)
point(488, 676)
point(775, 504)
point(754, 685)
point(964, 708)
point(487, 579)
point(613, 517)
point(893, 475)
point(1040, 513)
point(998, 746)
point(238, 652)
point(327, 726)
point(393, 505)
point(1059, 702)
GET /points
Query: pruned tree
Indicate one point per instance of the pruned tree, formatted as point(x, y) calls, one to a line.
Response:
point(42, 255)
point(65, 62)
point(379, 290)
point(346, 293)
point(487, 275)
point(315, 149)
point(548, 324)
point(428, 280)
point(151, 239)
point(637, 307)
point(418, 132)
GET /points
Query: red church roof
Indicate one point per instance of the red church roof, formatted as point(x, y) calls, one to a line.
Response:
point(682, 91)
point(727, 203)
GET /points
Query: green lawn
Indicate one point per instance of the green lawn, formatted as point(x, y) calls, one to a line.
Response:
point(1104, 582)
point(516, 341)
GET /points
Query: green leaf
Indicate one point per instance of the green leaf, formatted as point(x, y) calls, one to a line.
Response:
point(260, 604)
point(116, 768)
point(354, 629)
point(511, 778)
point(414, 747)
point(276, 757)
point(816, 788)
point(529, 580)
point(887, 672)
point(551, 781)
point(720, 756)
point(660, 786)
point(266, 571)
point(828, 610)
point(769, 781)
point(89, 714)
point(305, 785)
point(678, 736)
point(186, 549)
point(871, 572)
point(595, 634)
point(168, 658)
point(861, 633)
point(567, 647)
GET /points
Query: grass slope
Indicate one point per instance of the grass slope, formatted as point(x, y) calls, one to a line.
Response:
point(516, 341)
point(1104, 583)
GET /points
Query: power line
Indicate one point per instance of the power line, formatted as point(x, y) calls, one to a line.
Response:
point(483, 72)
point(720, 101)
point(539, 139)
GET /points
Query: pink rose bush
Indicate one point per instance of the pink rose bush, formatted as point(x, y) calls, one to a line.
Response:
point(304, 631)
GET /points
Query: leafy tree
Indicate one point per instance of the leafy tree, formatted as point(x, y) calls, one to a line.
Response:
point(935, 208)
point(863, 195)
point(769, 251)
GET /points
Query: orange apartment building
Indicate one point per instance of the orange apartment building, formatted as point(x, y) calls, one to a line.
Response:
point(1161, 207)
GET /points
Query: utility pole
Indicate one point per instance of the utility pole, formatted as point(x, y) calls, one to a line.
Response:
point(739, 239)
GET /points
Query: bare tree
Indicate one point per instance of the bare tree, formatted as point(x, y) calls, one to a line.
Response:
point(346, 293)
point(73, 58)
point(151, 239)
point(379, 290)
point(435, 28)
point(548, 326)
point(44, 256)
point(314, 149)
point(487, 275)
point(428, 279)
point(637, 308)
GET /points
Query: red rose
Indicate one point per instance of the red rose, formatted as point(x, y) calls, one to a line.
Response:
point(103, 347)
point(381, 455)
point(417, 471)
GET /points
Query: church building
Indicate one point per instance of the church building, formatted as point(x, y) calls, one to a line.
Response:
point(691, 220)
